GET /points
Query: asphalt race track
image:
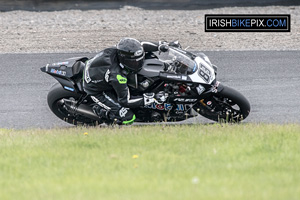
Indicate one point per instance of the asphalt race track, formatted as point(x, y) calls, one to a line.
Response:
point(269, 79)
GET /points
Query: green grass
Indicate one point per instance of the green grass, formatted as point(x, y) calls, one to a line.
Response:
point(246, 161)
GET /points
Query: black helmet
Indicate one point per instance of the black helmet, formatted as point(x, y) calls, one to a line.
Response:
point(131, 54)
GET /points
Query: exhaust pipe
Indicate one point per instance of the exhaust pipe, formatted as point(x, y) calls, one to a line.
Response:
point(82, 109)
point(87, 112)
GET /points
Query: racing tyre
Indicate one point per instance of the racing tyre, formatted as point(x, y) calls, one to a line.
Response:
point(56, 103)
point(227, 105)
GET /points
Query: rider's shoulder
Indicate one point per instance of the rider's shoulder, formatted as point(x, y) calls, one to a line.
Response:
point(106, 52)
point(110, 50)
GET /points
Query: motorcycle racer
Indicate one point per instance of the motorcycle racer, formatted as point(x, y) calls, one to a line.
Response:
point(105, 79)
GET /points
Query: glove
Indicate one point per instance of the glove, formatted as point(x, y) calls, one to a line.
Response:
point(175, 44)
point(148, 99)
point(161, 97)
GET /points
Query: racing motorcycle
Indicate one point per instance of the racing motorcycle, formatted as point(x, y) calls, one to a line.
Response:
point(187, 78)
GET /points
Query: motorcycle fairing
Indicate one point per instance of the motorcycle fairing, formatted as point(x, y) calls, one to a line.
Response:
point(205, 73)
point(151, 68)
point(63, 72)
point(62, 69)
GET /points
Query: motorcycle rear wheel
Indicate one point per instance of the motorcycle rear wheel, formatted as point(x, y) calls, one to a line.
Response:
point(56, 104)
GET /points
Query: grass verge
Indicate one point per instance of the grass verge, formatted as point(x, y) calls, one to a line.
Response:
point(246, 161)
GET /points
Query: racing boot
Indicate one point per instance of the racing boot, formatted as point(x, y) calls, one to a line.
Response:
point(101, 112)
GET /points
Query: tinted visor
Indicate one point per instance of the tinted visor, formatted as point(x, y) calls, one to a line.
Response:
point(134, 64)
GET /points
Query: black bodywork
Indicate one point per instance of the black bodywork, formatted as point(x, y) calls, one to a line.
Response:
point(181, 104)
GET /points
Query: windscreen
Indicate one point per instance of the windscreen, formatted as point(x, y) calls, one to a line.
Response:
point(184, 63)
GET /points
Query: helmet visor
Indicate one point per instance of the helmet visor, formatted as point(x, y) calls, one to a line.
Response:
point(134, 64)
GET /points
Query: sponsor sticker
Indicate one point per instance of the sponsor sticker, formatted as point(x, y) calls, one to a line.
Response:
point(59, 72)
point(123, 111)
point(200, 89)
point(69, 88)
point(167, 106)
point(185, 100)
point(173, 76)
point(121, 79)
point(138, 53)
point(60, 63)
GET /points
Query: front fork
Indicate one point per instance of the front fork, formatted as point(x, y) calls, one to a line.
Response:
point(217, 87)
point(207, 100)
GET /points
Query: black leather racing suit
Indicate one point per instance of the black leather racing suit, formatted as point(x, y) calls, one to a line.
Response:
point(105, 80)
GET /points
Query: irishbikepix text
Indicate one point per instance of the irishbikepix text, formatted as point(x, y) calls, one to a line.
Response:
point(257, 23)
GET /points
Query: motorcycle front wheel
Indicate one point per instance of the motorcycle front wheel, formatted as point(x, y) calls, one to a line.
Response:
point(227, 105)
